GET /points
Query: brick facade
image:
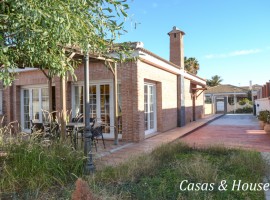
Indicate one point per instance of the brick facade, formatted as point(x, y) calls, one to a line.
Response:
point(166, 96)
point(132, 76)
point(190, 99)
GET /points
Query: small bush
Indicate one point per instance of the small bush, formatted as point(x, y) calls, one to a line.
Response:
point(263, 115)
point(245, 101)
point(246, 109)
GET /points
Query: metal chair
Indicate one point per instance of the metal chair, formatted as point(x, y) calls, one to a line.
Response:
point(96, 133)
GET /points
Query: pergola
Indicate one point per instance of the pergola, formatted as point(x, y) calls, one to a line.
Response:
point(112, 65)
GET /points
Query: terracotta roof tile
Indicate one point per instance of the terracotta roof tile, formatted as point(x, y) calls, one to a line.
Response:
point(225, 89)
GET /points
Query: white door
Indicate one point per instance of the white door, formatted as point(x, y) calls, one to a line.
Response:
point(150, 117)
point(34, 100)
point(220, 105)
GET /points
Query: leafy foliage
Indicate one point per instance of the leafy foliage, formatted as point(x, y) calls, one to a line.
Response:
point(246, 109)
point(214, 81)
point(245, 101)
point(44, 33)
point(264, 115)
point(191, 65)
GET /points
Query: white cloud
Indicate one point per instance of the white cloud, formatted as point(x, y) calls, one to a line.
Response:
point(233, 53)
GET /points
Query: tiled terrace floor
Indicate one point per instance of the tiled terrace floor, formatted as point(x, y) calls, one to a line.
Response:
point(232, 131)
point(113, 154)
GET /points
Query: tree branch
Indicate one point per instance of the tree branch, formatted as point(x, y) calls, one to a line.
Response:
point(48, 77)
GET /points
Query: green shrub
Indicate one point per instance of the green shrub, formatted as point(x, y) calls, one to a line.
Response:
point(245, 109)
point(263, 115)
point(245, 101)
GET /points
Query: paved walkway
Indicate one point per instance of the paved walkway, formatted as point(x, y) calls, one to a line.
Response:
point(124, 151)
point(240, 130)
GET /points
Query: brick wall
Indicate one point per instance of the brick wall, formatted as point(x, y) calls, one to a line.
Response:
point(127, 74)
point(131, 76)
point(166, 86)
point(199, 102)
point(98, 71)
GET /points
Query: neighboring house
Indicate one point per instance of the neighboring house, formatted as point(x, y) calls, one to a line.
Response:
point(154, 95)
point(222, 98)
point(262, 101)
point(254, 88)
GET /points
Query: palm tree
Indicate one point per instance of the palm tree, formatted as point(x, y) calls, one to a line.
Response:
point(191, 65)
point(214, 81)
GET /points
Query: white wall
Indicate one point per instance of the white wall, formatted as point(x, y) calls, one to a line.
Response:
point(208, 109)
point(262, 104)
point(230, 108)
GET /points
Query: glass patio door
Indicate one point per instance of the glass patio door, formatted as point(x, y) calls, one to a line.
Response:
point(101, 105)
point(150, 119)
point(34, 100)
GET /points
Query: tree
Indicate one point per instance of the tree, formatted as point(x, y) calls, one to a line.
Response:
point(214, 81)
point(44, 34)
point(35, 33)
point(191, 65)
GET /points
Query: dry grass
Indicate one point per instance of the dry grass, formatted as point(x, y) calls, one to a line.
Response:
point(157, 175)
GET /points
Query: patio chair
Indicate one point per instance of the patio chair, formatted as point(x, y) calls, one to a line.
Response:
point(96, 129)
point(96, 133)
point(77, 132)
point(76, 119)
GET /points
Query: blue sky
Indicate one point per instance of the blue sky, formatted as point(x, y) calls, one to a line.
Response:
point(229, 38)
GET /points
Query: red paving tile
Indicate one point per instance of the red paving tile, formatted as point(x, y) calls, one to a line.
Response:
point(243, 136)
point(233, 131)
point(109, 156)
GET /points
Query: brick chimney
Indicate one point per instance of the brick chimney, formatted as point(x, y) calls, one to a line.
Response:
point(177, 47)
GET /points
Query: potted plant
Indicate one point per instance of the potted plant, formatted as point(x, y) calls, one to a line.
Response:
point(267, 124)
point(263, 118)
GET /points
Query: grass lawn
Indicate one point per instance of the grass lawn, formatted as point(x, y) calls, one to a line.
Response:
point(30, 171)
point(158, 175)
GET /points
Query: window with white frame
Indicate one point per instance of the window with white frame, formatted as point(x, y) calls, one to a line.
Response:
point(150, 116)
point(33, 102)
point(100, 101)
point(78, 103)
